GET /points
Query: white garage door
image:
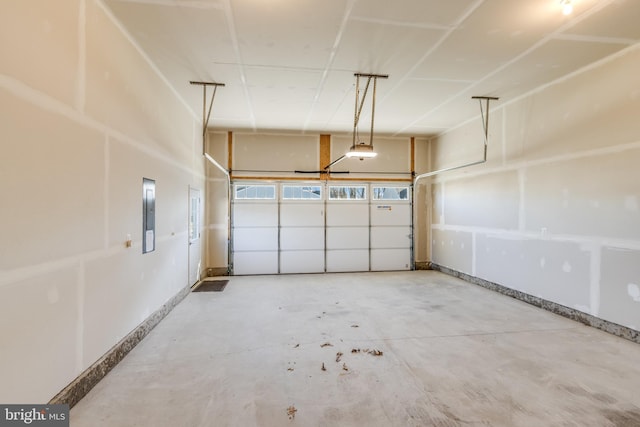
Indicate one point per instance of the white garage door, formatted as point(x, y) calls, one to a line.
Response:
point(318, 227)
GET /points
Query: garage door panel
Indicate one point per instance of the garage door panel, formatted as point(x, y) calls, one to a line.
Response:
point(297, 215)
point(255, 263)
point(347, 214)
point(390, 259)
point(297, 238)
point(386, 214)
point(302, 261)
point(390, 237)
point(347, 260)
point(348, 238)
point(255, 214)
point(255, 239)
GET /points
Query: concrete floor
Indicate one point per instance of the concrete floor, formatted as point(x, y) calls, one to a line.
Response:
point(453, 354)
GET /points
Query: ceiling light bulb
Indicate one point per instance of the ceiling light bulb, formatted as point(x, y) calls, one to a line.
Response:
point(567, 7)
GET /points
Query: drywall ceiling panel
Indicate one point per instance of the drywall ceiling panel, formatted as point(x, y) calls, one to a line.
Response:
point(413, 98)
point(474, 42)
point(274, 84)
point(550, 61)
point(624, 13)
point(333, 106)
point(273, 91)
point(159, 29)
point(492, 36)
point(425, 12)
point(276, 29)
point(373, 47)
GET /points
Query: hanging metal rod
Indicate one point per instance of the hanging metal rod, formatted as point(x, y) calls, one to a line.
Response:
point(485, 125)
point(206, 115)
point(485, 121)
point(326, 168)
point(358, 108)
point(205, 123)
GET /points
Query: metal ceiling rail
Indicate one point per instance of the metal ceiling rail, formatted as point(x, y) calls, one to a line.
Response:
point(485, 125)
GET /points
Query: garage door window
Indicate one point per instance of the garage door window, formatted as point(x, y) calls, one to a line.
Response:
point(301, 192)
point(390, 193)
point(344, 192)
point(255, 192)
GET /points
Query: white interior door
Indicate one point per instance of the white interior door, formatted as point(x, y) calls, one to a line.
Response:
point(195, 243)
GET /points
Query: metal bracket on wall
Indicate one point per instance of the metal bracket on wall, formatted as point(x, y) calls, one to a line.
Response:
point(485, 125)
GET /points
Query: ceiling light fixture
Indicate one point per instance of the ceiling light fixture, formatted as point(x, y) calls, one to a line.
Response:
point(567, 7)
point(359, 148)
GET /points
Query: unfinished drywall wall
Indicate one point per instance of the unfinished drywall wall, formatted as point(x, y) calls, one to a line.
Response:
point(555, 210)
point(84, 117)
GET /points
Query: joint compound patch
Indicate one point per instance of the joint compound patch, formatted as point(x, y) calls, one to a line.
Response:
point(634, 291)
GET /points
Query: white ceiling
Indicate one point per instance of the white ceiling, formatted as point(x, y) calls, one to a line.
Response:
point(289, 65)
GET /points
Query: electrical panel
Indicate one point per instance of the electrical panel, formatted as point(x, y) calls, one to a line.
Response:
point(148, 215)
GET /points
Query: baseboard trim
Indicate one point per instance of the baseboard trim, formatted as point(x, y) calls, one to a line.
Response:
point(570, 313)
point(79, 388)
